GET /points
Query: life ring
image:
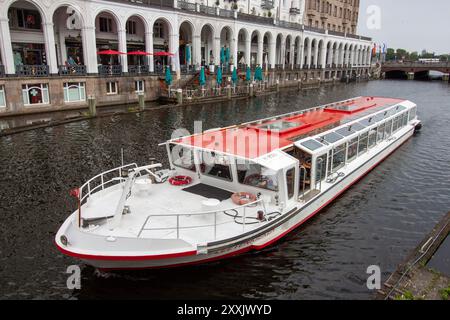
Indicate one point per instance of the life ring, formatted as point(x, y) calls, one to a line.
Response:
point(243, 198)
point(180, 180)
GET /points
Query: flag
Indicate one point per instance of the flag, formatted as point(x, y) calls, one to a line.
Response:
point(374, 50)
point(384, 48)
point(75, 193)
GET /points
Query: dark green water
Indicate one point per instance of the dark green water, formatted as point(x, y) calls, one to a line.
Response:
point(376, 222)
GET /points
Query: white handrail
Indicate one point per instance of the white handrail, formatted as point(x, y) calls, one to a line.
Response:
point(206, 213)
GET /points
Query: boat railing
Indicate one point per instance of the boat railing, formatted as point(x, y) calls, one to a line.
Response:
point(103, 180)
point(181, 221)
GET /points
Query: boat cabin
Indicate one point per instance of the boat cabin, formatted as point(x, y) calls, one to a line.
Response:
point(288, 157)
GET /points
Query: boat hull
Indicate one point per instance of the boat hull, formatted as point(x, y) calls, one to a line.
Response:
point(255, 241)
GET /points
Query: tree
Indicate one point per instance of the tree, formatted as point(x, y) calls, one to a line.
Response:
point(414, 56)
point(402, 54)
point(390, 54)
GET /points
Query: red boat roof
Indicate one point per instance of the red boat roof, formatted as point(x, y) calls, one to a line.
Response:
point(261, 137)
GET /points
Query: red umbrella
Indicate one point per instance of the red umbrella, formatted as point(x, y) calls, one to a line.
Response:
point(163, 53)
point(138, 53)
point(110, 52)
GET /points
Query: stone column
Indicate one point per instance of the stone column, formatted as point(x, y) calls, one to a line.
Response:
point(291, 55)
point(50, 49)
point(301, 54)
point(174, 43)
point(196, 50)
point(308, 55)
point(216, 50)
point(234, 51)
point(89, 49)
point(323, 56)
point(272, 53)
point(149, 48)
point(122, 35)
point(282, 53)
point(259, 56)
point(62, 47)
point(6, 47)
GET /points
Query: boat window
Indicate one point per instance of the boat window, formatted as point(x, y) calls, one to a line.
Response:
point(332, 137)
point(372, 137)
point(347, 131)
point(367, 122)
point(352, 149)
point(321, 167)
point(290, 182)
point(396, 123)
point(412, 113)
point(405, 119)
point(339, 157)
point(255, 175)
point(182, 157)
point(357, 126)
point(215, 165)
point(380, 134)
point(378, 117)
point(388, 129)
point(362, 145)
point(312, 144)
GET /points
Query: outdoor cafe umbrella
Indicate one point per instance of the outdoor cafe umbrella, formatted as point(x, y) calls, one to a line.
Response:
point(227, 55)
point(110, 52)
point(222, 55)
point(234, 76)
point(248, 74)
point(202, 77)
point(258, 74)
point(168, 76)
point(188, 55)
point(219, 76)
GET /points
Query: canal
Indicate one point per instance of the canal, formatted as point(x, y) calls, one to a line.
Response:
point(376, 222)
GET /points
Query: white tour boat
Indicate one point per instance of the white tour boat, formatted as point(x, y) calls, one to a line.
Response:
point(233, 189)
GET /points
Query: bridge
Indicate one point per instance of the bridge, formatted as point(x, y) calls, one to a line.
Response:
point(415, 70)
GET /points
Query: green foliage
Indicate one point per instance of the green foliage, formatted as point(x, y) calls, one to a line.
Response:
point(407, 295)
point(445, 293)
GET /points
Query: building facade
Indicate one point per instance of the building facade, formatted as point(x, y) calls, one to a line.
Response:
point(49, 49)
point(333, 15)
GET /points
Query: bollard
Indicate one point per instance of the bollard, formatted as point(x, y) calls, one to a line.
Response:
point(141, 98)
point(92, 106)
point(229, 92)
point(299, 84)
point(277, 85)
point(250, 90)
point(179, 96)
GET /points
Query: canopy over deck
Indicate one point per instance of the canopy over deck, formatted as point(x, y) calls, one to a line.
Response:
point(256, 139)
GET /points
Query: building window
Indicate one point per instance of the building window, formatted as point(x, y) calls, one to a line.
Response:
point(139, 86)
point(131, 27)
point(35, 94)
point(105, 24)
point(2, 97)
point(158, 30)
point(74, 91)
point(24, 18)
point(111, 87)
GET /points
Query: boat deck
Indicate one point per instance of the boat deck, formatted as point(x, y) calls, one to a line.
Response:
point(169, 206)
